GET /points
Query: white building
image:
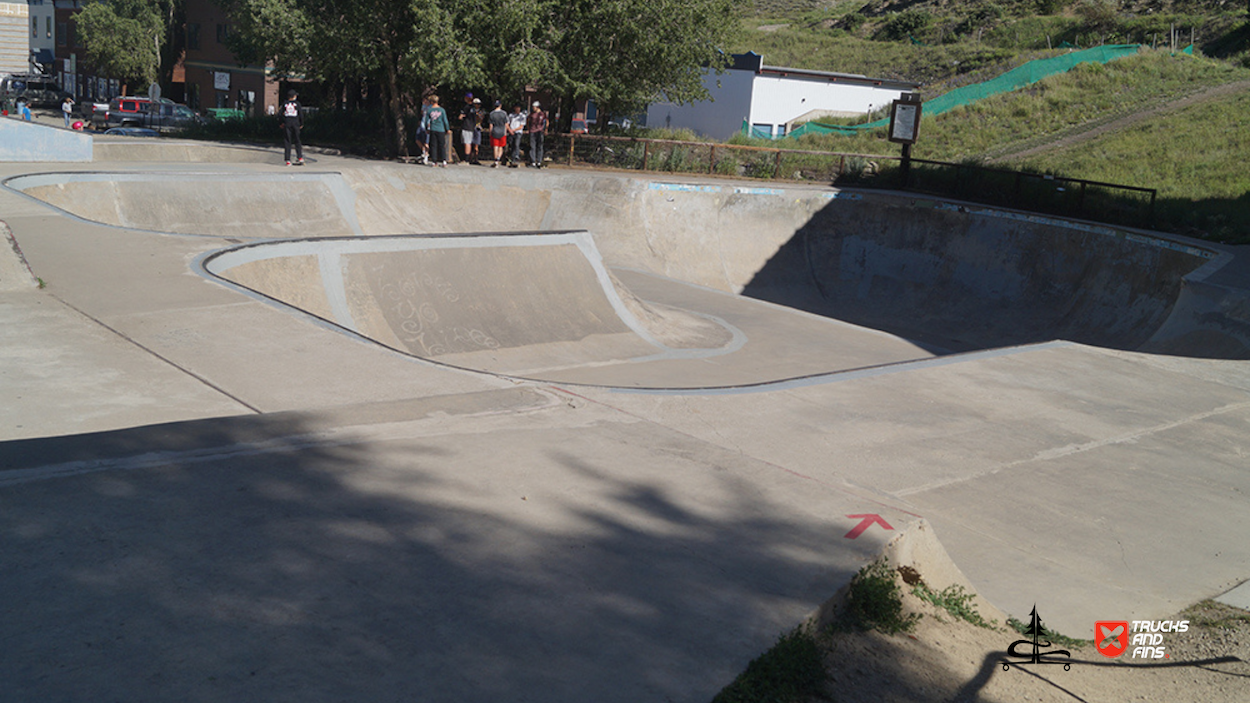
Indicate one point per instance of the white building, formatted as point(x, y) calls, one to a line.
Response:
point(772, 98)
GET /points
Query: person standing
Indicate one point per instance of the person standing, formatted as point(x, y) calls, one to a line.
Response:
point(516, 127)
point(436, 124)
point(470, 115)
point(498, 121)
point(423, 134)
point(537, 127)
point(67, 110)
point(292, 122)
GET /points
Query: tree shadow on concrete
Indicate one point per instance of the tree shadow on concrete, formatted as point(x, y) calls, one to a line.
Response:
point(269, 558)
point(993, 662)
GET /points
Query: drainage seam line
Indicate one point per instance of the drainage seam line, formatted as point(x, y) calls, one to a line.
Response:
point(157, 355)
point(773, 465)
point(1072, 449)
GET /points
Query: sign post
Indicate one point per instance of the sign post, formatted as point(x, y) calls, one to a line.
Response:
point(904, 127)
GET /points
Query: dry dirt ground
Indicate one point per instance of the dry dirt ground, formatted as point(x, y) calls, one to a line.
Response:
point(944, 659)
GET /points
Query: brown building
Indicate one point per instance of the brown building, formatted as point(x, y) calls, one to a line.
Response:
point(213, 76)
point(208, 76)
point(76, 75)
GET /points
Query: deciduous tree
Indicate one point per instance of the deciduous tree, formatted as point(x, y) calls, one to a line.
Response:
point(622, 53)
point(124, 39)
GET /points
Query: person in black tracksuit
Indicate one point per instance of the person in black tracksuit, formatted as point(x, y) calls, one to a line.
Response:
point(292, 122)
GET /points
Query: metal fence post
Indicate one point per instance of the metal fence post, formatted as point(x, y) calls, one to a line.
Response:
point(777, 165)
point(711, 160)
point(646, 152)
point(572, 141)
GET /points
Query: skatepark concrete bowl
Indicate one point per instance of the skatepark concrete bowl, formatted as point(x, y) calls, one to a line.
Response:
point(625, 295)
point(360, 430)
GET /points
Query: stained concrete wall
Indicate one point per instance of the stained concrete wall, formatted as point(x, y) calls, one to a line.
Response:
point(953, 277)
point(28, 141)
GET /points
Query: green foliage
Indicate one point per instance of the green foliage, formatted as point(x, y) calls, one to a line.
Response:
point(1046, 634)
point(792, 671)
point(1098, 14)
point(625, 53)
point(904, 25)
point(123, 38)
point(1195, 157)
point(1051, 7)
point(622, 53)
point(1210, 614)
point(355, 131)
point(954, 600)
point(874, 601)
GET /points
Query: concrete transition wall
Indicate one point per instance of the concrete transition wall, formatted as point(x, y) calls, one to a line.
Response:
point(953, 277)
point(27, 141)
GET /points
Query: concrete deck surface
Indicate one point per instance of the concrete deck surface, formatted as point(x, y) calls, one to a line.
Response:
point(207, 493)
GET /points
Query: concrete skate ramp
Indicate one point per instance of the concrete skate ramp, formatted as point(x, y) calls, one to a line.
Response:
point(31, 141)
point(509, 304)
point(128, 149)
point(235, 205)
point(962, 278)
point(951, 277)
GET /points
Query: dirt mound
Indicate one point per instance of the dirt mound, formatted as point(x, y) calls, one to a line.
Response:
point(948, 644)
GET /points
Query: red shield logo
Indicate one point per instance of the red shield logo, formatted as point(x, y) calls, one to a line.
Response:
point(1111, 637)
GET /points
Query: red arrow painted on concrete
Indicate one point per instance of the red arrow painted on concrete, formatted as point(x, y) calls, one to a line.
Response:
point(866, 521)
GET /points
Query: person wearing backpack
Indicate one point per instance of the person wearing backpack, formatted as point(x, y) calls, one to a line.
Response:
point(292, 122)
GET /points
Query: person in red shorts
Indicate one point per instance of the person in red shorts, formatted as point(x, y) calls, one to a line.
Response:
point(498, 121)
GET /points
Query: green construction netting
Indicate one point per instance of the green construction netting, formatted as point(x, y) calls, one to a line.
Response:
point(1014, 79)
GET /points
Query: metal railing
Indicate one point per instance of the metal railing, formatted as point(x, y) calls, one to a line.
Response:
point(1108, 202)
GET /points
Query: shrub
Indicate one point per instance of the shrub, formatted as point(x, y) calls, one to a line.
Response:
point(793, 670)
point(905, 24)
point(874, 601)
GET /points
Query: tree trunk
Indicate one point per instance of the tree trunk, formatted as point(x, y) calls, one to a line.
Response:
point(394, 112)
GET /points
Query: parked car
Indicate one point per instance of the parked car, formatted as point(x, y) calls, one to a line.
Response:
point(99, 115)
point(35, 89)
point(132, 111)
point(132, 132)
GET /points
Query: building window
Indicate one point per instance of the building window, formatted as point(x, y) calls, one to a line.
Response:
point(193, 36)
point(764, 131)
point(62, 30)
point(47, 23)
point(34, 27)
point(223, 33)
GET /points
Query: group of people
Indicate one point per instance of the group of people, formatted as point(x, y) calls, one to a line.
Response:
point(502, 130)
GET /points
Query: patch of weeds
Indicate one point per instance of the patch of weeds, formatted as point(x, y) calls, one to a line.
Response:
point(954, 600)
point(1050, 635)
point(1210, 614)
point(793, 670)
point(874, 601)
point(42, 283)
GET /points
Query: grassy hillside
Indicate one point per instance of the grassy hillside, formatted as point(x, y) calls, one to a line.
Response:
point(1193, 156)
point(1087, 95)
point(1196, 157)
point(946, 43)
